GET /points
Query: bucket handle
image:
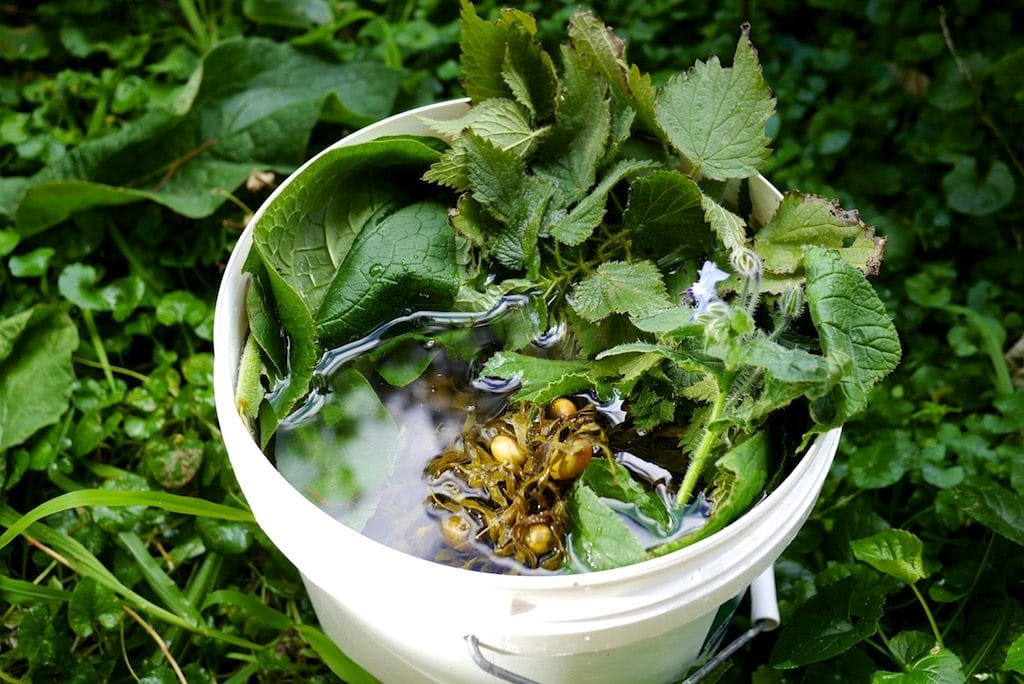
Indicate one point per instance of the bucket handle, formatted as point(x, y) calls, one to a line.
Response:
point(764, 613)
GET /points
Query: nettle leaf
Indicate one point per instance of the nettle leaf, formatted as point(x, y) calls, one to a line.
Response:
point(485, 47)
point(633, 288)
point(568, 158)
point(36, 375)
point(542, 380)
point(895, 552)
point(803, 220)
point(852, 322)
point(255, 107)
point(741, 474)
point(401, 261)
point(598, 45)
point(995, 507)
point(499, 182)
point(839, 616)
point(715, 116)
point(664, 212)
point(500, 120)
point(579, 224)
point(599, 539)
point(530, 74)
point(730, 228)
point(970, 193)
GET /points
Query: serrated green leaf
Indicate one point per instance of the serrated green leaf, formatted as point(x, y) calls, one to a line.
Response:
point(500, 120)
point(542, 380)
point(852, 321)
point(715, 116)
point(895, 552)
point(803, 220)
point(484, 47)
point(634, 288)
point(839, 616)
point(568, 158)
point(599, 539)
point(499, 182)
point(598, 45)
point(730, 228)
point(530, 76)
point(664, 212)
point(579, 224)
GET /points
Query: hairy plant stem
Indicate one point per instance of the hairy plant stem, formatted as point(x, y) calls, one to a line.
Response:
point(707, 442)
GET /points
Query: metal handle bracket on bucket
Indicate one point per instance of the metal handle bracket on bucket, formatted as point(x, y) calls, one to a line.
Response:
point(764, 613)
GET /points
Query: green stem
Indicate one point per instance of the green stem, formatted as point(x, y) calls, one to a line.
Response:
point(974, 585)
point(129, 255)
point(97, 345)
point(703, 450)
point(195, 24)
point(4, 677)
point(116, 369)
point(990, 343)
point(928, 614)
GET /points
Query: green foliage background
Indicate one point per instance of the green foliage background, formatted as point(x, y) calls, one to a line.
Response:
point(135, 139)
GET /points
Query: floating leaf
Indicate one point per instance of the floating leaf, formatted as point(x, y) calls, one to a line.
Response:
point(542, 380)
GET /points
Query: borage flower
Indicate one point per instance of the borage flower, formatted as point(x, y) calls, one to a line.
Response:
point(703, 291)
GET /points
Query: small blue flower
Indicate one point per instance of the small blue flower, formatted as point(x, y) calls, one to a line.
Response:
point(703, 291)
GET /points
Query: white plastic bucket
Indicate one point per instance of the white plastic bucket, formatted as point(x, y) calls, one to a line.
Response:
point(406, 620)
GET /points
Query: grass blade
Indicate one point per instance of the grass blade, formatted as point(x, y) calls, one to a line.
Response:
point(251, 606)
point(340, 664)
point(158, 580)
point(19, 591)
point(173, 503)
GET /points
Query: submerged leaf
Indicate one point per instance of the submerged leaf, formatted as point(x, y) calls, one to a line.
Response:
point(599, 539)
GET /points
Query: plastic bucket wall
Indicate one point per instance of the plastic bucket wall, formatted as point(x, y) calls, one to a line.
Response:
point(405, 619)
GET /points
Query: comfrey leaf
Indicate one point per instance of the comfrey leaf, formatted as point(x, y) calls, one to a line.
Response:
point(599, 539)
point(633, 288)
point(612, 480)
point(851, 320)
point(715, 116)
point(803, 220)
